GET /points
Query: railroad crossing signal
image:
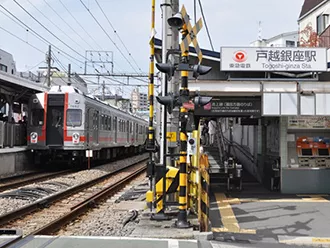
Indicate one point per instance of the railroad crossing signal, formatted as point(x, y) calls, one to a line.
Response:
point(192, 35)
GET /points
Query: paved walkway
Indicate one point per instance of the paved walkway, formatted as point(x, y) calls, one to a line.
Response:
point(256, 215)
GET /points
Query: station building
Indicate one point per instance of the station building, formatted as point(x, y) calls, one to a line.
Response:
point(273, 107)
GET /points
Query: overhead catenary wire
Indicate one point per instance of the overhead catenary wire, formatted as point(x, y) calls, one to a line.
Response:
point(82, 27)
point(54, 24)
point(115, 31)
point(75, 51)
point(36, 48)
point(106, 33)
point(73, 30)
point(38, 35)
point(207, 29)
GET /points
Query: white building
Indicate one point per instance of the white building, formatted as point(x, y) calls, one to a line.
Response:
point(316, 14)
point(7, 63)
point(139, 101)
point(289, 39)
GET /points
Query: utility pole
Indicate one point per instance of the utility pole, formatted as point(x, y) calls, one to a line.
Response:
point(49, 61)
point(69, 74)
point(103, 90)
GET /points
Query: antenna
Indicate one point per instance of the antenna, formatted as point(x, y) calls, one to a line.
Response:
point(260, 32)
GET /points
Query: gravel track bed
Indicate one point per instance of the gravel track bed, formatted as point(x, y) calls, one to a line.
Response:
point(10, 204)
point(106, 219)
point(42, 217)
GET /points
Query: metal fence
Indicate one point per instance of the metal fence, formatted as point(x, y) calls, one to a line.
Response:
point(12, 134)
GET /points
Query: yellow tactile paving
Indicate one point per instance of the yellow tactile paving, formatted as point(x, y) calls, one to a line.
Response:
point(228, 218)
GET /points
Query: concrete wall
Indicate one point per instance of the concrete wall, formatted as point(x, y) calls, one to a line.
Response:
point(14, 162)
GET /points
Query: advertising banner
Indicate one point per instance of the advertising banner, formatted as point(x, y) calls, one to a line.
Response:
point(309, 122)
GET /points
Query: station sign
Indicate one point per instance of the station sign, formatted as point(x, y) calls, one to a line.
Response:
point(281, 59)
point(231, 107)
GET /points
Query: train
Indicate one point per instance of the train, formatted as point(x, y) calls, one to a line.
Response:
point(65, 124)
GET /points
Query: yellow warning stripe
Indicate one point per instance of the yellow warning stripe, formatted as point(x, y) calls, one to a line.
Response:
point(228, 217)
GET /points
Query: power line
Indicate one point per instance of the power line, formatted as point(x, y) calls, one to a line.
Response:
point(47, 29)
point(107, 35)
point(22, 24)
point(115, 31)
point(67, 24)
point(207, 29)
point(22, 40)
point(80, 24)
point(53, 23)
point(35, 66)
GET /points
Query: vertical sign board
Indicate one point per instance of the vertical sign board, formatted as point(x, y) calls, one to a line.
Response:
point(231, 107)
point(273, 59)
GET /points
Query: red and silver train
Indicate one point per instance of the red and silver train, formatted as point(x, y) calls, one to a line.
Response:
point(64, 123)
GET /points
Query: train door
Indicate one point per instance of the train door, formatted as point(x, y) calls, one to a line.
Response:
point(115, 128)
point(127, 130)
point(96, 127)
point(137, 132)
point(55, 117)
point(88, 124)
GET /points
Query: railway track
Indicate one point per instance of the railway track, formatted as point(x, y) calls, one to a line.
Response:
point(28, 178)
point(68, 205)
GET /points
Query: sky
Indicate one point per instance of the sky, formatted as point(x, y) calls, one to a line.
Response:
point(230, 22)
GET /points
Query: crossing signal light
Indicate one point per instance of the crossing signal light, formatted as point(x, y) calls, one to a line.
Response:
point(169, 101)
point(167, 68)
point(175, 21)
point(200, 70)
point(201, 101)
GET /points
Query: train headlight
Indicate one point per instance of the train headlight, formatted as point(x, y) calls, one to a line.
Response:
point(75, 138)
point(34, 138)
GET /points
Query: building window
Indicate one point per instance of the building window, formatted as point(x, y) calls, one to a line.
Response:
point(3, 68)
point(290, 43)
point(322, 23)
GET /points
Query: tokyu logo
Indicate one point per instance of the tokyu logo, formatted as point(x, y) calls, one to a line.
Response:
point(240, 56)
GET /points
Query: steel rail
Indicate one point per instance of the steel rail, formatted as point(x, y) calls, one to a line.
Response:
point(81, 207)
point(85, 205)
point(14, 184)
point(18, 213)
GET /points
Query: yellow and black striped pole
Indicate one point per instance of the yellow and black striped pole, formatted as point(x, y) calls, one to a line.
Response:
point(184, 93)
point(204, 198)
point(151, 135)
point(151, 144)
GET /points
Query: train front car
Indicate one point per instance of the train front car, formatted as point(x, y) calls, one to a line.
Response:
point(56, 125)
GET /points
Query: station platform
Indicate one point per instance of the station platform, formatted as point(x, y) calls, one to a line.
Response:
point(14, 160)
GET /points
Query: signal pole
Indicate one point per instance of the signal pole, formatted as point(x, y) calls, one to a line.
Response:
point(166, 13)
point(173, 120)
point(184, 92)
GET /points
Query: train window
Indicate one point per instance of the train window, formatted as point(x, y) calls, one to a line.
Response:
point(37, 117)
point(130, 127)
point(105, 123)
point(73, 117)
point(110, 123)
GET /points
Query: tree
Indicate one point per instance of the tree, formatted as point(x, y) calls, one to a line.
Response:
point(309, 37)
